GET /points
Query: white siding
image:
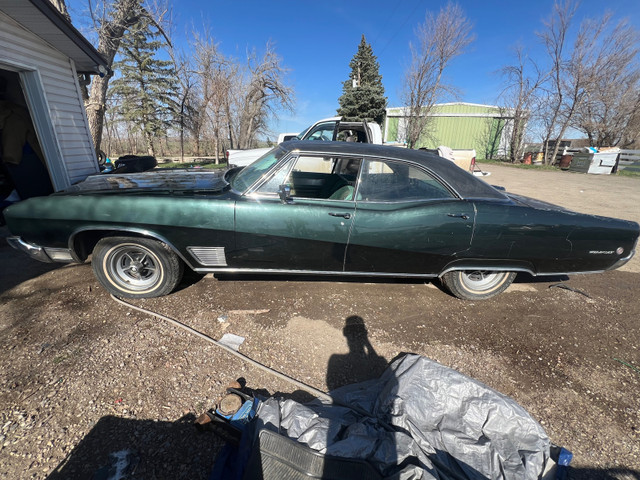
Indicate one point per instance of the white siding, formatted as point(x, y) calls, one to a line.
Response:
point(23, 50)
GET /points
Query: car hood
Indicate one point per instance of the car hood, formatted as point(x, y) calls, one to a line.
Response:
point(158, 181)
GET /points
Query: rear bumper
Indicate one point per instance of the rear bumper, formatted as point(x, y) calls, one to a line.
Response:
point(622, 261)
point(42, 254)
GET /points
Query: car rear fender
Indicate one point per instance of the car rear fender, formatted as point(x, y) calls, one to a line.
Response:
point(82, 241)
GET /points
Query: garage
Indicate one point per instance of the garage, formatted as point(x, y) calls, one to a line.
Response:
point(45, 141)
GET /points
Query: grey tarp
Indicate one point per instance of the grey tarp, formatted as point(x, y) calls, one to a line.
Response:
point(427, 421)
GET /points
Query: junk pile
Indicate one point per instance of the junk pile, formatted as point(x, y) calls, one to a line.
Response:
point(419, 420)
point(599, 161)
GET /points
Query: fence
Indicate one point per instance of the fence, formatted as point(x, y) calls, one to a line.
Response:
point(630, 160)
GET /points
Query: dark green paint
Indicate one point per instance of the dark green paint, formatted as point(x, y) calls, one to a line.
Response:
point(417, 237)
point(301, 235)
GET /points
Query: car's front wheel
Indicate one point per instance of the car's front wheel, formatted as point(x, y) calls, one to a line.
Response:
point(136, 267)
point(477, 284)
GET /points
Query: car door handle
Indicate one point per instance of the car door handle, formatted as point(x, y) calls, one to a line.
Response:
point(463, 216)
point(343, 215)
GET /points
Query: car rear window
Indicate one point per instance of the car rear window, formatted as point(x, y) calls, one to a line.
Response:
point(389, 181)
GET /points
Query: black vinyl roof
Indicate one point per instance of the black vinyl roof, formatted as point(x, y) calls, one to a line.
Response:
point(467, 185)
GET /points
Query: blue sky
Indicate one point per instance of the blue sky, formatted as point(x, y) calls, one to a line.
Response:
point(316, 41)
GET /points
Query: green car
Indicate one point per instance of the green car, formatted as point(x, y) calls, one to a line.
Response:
point(322, 208)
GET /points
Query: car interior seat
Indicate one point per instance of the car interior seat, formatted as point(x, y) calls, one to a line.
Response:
point(343, 193)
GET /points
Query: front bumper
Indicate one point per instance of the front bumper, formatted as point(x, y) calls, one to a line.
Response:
point(42, 254)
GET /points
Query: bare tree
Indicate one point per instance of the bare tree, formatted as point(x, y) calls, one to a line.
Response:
point(554, 38)
point(263, 91)
point(524, 80)
point(632, 138)
point(440, 39)
point(612, 99)
point(61, 6)
point(115, 20)
point(112, 19)
point(187, 83)
point(580, 73)
point(215, 74)
point(233, 101)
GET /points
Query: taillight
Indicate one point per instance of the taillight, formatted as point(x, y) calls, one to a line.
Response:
point(473, 165)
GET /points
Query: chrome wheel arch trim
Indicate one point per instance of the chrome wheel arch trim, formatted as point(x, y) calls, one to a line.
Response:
point(507, 268)
point(138, 231)
point(492, 268)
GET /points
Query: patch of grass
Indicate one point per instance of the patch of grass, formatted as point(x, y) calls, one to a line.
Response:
point(59, 359)
point(623, 173)
point(515, 165)
point(629, 173)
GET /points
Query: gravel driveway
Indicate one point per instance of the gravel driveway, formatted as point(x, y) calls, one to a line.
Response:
point(83, 377)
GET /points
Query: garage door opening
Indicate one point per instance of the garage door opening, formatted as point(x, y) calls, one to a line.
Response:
point(23, 169)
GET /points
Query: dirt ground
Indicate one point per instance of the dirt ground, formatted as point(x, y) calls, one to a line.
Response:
point(83, 377)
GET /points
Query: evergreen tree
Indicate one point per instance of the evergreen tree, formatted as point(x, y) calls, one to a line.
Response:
point(363, 94)
point(147, 86)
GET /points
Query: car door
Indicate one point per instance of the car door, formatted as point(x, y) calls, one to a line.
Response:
point(308, 230)
point(406, 221)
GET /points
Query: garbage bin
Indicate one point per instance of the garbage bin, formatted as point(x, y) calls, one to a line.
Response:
point(565, 161)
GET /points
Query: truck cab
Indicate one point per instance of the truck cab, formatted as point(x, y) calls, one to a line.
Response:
point(335, 129)
point(332, 129)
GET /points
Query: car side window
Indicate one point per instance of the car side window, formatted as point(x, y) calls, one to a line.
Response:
point(391, 181)
point(316, 176)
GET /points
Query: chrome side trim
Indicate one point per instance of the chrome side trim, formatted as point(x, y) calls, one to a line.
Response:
point(314, 272)
point(209, 256)
point(549, 274)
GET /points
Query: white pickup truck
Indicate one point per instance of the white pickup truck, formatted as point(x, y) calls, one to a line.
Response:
point(328, 129)
point(335, 129)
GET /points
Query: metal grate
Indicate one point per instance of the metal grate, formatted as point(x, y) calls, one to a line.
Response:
point(209, 256)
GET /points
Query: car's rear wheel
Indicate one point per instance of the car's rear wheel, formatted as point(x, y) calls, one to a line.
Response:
point(477, 284)
point(136, 267)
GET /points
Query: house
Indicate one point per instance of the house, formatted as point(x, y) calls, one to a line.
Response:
point(45, 142)
point(458, 125)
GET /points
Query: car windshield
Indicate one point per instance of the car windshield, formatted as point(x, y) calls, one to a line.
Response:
point(301, 135)
point(251, 173)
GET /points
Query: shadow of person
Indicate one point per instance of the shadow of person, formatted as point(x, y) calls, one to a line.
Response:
point(361, 363)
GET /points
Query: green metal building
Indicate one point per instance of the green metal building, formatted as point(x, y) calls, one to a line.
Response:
point(460, 126)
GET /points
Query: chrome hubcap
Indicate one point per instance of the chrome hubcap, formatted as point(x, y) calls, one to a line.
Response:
point(481, 280)
point(134, 267)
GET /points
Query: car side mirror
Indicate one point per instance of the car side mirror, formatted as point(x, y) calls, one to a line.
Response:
point(284, 191)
